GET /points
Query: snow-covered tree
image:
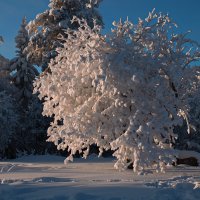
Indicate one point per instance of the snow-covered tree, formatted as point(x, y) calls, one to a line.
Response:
point(49, 26)
point(30, 134)
point(23, 71)
point(194, 101)
point(191, 141)
point(124, 91)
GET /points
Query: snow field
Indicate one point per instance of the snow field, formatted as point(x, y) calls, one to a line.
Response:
point(47, 178)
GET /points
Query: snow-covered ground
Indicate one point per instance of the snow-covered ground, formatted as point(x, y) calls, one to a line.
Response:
point(46, 177)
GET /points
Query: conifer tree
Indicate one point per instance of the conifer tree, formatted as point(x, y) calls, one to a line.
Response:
point(9, 121)
point(47, 29)
point(23, 71)
point(9, 116)
point(30, 136)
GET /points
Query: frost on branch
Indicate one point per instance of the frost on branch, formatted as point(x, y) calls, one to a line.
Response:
point(124, 91)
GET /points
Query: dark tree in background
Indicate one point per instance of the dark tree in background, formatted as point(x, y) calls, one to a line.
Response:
point(23, 72)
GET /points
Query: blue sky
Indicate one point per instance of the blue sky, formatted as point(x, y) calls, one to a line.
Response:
point(185, 12)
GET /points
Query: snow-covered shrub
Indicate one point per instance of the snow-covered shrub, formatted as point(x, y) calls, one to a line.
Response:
point(48, 26)
point(124, 91)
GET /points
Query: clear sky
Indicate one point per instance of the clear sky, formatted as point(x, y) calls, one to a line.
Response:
point(185, 12)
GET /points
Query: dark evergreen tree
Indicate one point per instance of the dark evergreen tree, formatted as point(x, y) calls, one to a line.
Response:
point(23, 71)
point(30, 136)
point(8, 113)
